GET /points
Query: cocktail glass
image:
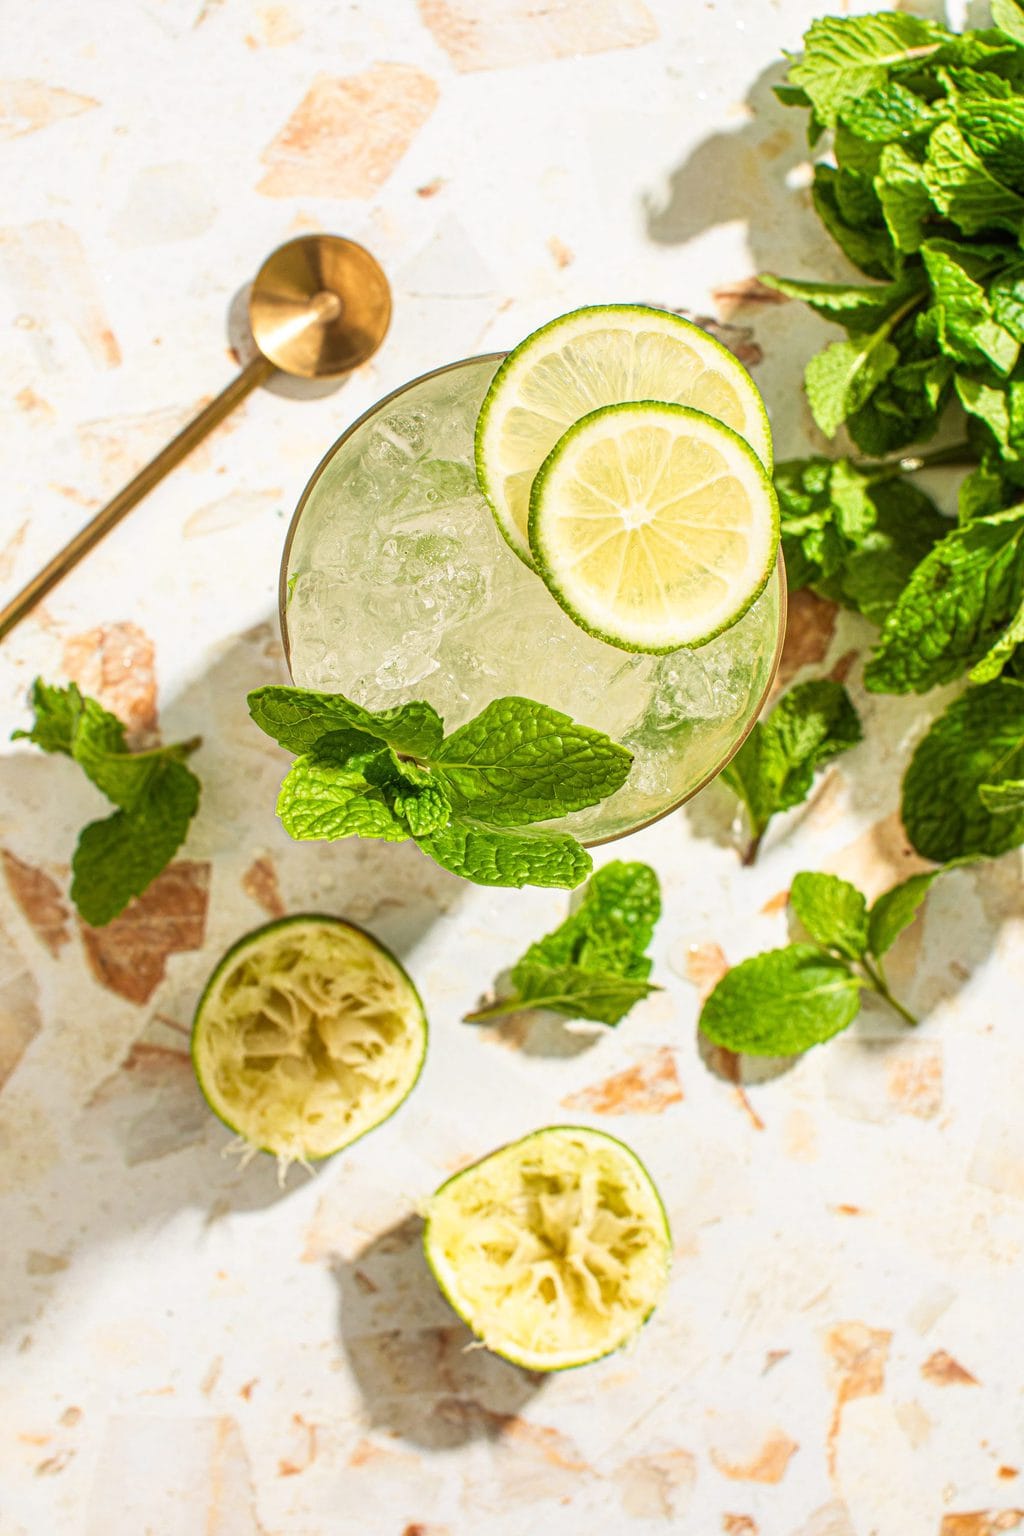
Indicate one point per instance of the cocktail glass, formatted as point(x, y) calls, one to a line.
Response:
point(396, 584)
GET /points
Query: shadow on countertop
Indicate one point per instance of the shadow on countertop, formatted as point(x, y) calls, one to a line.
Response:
point(423, 1375)
point(133, 1145)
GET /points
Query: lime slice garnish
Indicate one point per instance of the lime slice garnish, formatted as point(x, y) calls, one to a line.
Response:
point(603, 355)
point(554, 1249)
point(308, 1034)
point(653, 526)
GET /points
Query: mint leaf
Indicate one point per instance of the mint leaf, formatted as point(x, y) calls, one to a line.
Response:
point(791, 95)
point(1005, 799)
point(504, 857)
point(964, 190)
point(982, 492)
point(520, 762)
point(812, 546)
point(992, 122)
point(1006, 297)
point(327, 795)
point(128, 779)
point(1008, 16)
point(857, 306)
point(954, 608)
point(118, 858)
point(987, 50)
point(978, 741)
point(878, 566)
point(992, 663)
point(840, 379)
point(846, 58)
point(781, 1002)
point(413, 794)
point(961, 315)
point(906, 202)
point(870, 249)
point(57, 712)
point(896, 908)
point(889, 114)
point(568, 989)
point(861, 156)
point(856, 198)
point(611, 926)
point(904, 408)
point(853, 532)
point(990, 404)
point(833, 912)
point(593, 965)
point(297, 718)
point(156, 794)
point(774, 768)
point(67, 721)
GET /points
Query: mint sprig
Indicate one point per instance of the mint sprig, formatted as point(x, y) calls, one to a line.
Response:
point(784, 1001)
point(775, 767)
point(470, 800)
point(155, 793)
point(594, 965)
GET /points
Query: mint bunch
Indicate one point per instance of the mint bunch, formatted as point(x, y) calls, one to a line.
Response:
point(155, 794)
point(594, 965)
point(786, 1000)
point(469, 799)
point(775, 767)
point(922, 185)
point(925, 192)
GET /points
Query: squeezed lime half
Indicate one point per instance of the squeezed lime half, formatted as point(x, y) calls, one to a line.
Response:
point(555, 1249)
point(308, 1034)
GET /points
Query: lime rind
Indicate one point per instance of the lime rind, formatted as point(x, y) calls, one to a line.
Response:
point(555, 1249)
point(308, 1034)
point(554, 567)
point(731, 390)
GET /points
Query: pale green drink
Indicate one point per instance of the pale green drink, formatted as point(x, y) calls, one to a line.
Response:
point(397, 585)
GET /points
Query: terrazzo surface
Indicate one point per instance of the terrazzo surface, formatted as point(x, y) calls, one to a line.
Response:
point(187, 1348)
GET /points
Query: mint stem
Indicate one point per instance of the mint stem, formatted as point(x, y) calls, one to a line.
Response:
point(750, 852)
point(495, 1010)
point(911, 463)
point(880, 985)
point(955, 453)
point(178, 749)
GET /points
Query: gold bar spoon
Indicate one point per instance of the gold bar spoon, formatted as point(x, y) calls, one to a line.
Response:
point(319, 306)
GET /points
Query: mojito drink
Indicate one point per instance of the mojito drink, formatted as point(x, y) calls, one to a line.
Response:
point(397, 584)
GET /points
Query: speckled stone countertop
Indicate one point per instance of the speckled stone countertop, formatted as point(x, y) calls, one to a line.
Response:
point(188, 1350)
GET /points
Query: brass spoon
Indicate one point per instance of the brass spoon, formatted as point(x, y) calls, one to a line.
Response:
point(319, 306)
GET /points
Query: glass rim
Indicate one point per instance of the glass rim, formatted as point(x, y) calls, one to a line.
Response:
point(314, 480)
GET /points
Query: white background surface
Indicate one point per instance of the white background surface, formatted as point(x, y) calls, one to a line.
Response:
point(185, 1347)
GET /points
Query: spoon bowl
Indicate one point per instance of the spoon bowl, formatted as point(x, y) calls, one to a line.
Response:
point(319, 306)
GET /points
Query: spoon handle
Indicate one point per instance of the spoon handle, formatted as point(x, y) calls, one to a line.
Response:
point(191, 434)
